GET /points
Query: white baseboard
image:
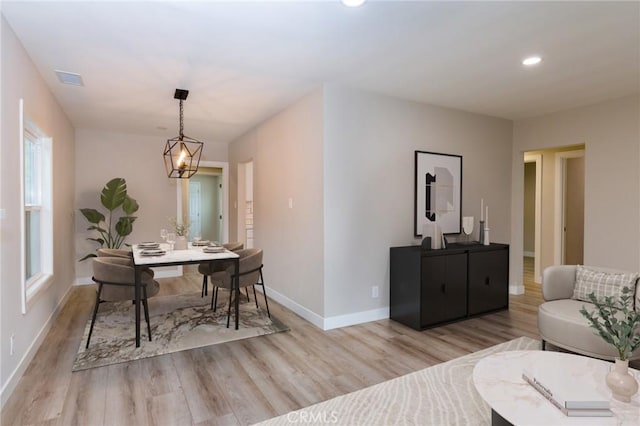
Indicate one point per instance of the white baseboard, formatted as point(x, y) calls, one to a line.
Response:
point(516, 289)
point(339, 321)
point(529, 254)
point(327, 323)
point(17, 374)
point(305, 313)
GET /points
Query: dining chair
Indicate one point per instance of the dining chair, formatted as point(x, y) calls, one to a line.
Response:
point(115, 277)
point(250, 274)
point(124, 254)
point(206, 270)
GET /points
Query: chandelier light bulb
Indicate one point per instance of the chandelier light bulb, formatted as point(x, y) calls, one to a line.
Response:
point(353, 3)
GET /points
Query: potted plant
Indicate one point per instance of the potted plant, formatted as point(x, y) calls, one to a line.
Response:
point(111, 233)
point(618, 323)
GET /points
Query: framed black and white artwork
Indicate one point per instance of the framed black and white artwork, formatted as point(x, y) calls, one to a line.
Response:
point(438, 192)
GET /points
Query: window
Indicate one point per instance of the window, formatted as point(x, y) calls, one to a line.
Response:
point(37, 224)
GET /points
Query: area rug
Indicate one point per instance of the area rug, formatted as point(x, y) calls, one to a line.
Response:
point(178, 323)
point(440, 395)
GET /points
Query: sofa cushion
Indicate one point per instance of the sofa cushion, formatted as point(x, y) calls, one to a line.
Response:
point(602, 283)
point(561, 323)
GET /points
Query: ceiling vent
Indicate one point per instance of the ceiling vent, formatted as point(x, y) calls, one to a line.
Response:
point(69, 78)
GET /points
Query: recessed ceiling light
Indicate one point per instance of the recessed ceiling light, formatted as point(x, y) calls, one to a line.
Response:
point(72, 78)
point(353, 3)
point(531, 60)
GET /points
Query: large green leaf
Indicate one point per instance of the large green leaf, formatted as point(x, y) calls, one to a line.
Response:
point(125, 225)
point(92, 215)
point(90, 255)
point(130, 206)
point(114, 193)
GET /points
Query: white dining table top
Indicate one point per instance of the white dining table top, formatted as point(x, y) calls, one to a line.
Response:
point(192, 254)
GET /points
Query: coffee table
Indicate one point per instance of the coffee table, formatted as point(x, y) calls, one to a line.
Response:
point(498, 380)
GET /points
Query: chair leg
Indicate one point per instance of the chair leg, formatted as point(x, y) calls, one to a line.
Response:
point(95, 312)
point(255, 297)
point(544, 345)
point(205, 285)
point(246, 289)
point(229, 308)
point(214, 298)
point(264, 291)
point(146, 310)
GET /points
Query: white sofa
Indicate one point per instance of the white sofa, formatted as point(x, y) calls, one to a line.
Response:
point(560, 321)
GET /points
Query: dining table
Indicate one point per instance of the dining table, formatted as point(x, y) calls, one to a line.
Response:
point(164, 255)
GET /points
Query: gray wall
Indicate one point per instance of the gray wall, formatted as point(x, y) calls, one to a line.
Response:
point(21, 79)
point(610, 132)
point(287, 163)
point(369, 149)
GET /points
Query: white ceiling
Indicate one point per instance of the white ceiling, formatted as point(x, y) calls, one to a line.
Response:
point(244, 61)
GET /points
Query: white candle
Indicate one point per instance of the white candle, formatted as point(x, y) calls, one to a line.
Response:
point(481, 209)
point(486, 218)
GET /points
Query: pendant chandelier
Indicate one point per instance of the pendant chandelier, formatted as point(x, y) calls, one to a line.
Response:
point(182, 153)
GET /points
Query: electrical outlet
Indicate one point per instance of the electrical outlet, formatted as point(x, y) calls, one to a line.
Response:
point(12, 340)
point(374, 292)
point(290, 203)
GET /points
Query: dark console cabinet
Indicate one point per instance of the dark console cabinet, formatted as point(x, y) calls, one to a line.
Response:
point(430, 287)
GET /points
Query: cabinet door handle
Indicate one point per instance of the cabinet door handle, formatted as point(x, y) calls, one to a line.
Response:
point(443, 288)
point(487, 280)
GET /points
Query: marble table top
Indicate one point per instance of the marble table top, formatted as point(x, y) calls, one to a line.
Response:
point(192, 254)
point(498, 380)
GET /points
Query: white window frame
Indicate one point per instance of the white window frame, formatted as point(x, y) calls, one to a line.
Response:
point(36, 284)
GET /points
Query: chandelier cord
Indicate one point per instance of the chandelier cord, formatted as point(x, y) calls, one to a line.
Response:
point(181, 121)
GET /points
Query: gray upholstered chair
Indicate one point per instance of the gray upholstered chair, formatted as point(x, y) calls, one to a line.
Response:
point(115, 277)
point(124, 254)
point(560, 321)
point(108, 252)
point(205, 268)
point(250, 275)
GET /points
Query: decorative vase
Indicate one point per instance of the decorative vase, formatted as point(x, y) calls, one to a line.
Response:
point(622, 384)
point(181, 243)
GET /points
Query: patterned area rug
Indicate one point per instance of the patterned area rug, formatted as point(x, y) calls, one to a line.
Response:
point(178, 323)
point(440, 395)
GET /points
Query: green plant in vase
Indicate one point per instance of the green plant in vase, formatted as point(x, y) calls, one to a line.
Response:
point(111, 233)
point(618, 323)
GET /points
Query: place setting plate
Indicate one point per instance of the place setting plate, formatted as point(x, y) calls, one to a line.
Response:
point(152, 252)
point(149, 245)
point(203, 243)
point(214, 249)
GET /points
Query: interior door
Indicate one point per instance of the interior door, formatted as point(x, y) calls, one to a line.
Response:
point(574, 211)
point(195, 208)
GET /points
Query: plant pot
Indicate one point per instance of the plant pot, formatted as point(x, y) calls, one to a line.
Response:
point(622, 384)
point(181, 243)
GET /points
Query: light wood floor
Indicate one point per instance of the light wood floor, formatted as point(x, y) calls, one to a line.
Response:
point(245, 381)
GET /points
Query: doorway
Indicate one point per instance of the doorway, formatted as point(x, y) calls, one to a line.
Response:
point(245, 204)
point(570, 168)
point(203, 200)
point(532, 214)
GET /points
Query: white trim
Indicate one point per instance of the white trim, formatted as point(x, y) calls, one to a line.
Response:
point(339, 321)
point(329, 323)
point(305, 313)
point(529, 253)
point(18, 372)
point(225, 195)
point(516, 289)
point(560, 171)
point(537, 159)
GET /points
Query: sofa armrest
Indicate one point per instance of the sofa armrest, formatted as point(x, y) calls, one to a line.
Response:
point(558, 282)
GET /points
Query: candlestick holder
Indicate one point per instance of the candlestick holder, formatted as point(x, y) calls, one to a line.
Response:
point(486, 237)
point(481, 232)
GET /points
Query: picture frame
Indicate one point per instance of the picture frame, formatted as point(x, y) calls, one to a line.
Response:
point(438, 192)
